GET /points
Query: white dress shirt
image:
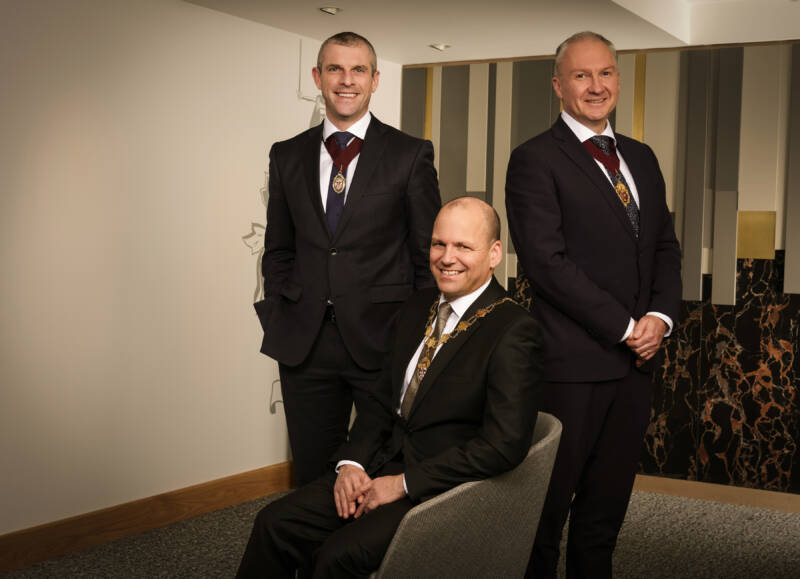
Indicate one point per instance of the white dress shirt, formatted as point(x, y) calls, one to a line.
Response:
point(358, 129)
point(584, 134)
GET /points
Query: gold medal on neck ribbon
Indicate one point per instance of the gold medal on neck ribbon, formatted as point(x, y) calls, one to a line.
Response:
point(622, 192)
point(339, 183)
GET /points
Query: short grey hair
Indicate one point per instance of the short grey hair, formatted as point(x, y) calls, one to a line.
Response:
point(349, 39)
point(577, 37)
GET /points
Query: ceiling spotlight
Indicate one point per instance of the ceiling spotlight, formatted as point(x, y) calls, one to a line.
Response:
point(439, 46)
point(332, 10)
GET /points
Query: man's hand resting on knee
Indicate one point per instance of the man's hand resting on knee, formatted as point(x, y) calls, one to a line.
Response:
point(381, 491)
point(350, 486)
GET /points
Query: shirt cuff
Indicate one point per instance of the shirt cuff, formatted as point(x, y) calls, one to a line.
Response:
point(341, 463)
point(405, 488)
point(629, 331)
point(666, 319)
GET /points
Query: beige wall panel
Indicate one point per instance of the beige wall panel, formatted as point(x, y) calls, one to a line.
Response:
point(662, 92)
point(625, 104)
point(478, 123)
point(133, 150)
point(502, 152)
point(762, 167)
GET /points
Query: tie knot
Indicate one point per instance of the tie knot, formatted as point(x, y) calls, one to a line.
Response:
point(341, 138)
point(604, 143)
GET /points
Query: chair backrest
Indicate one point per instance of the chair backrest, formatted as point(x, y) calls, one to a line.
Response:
point(481, 528)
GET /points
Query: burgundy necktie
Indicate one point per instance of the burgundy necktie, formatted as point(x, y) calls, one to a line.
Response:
point(342, 154)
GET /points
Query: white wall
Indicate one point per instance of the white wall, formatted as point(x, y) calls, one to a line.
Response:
point(133, 148)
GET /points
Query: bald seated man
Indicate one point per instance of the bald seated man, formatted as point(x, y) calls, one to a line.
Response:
point(456, 401)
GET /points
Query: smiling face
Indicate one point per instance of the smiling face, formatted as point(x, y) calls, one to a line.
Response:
point(463, 253)
point(347, 80)
point(587, 82)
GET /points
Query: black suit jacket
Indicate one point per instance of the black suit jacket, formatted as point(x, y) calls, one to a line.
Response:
point(375, 260)
point(588, 271)
point(474, 412)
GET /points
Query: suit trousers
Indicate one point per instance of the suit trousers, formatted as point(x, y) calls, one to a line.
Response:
point(603, 428)
point(318, 397)
point(303, 531)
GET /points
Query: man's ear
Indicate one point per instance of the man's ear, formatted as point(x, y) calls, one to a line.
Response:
point(495, 253)
point(557, 86)
point(315, 72)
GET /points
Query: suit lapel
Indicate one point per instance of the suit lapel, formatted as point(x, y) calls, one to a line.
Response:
point(445, 355)
point(311, 157)
point(374, 144)
point(573, 148)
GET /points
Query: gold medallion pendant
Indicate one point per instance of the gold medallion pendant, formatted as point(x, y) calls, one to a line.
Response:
point(338, 183)
point(622, 192)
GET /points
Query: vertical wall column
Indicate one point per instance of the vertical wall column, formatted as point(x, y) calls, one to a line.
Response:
point(502, 152)
point(699, 170)
point(625, 111)
point(791, 280)
point(433, 113)
point(477, 127)
point(412, 108)
point(453, 132)
point(661, 121)
point(762, 173)
point(726, 177)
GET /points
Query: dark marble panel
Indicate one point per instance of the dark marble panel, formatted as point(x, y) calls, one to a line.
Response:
point(672, 437)
point(725, 405)
point(744, 408)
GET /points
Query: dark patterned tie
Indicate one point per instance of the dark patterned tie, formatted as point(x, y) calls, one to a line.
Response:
point(425, 357)
point(341, 154)
point(610, 161)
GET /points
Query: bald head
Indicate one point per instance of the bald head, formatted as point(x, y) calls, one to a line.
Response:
point(487, 214)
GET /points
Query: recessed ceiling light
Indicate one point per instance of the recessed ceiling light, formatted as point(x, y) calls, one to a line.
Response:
point(332, 10)
point(439, 46)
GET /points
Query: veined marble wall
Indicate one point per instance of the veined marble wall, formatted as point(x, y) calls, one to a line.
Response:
point(725, 408)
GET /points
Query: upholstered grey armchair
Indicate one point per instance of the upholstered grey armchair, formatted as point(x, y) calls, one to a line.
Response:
point(481, 528)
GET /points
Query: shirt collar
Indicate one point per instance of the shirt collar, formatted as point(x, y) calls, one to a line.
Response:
point(583, 132)
point(462, 304)
point(359, 128)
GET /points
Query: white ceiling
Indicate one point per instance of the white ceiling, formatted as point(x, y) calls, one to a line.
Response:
point(402, 30)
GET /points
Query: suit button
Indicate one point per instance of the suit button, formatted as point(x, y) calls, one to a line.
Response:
point(333, 251)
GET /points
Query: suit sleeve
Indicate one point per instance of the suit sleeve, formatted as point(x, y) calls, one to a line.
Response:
point(512, 393)
point(534, 216)
point(422, 206)
point(279, 238)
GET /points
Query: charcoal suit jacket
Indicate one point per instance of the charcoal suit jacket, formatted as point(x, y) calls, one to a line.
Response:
point(475, 410)
point(589, 273)
point(375, 259)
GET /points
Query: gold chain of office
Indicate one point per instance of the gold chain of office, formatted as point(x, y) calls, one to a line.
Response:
point(461, 326)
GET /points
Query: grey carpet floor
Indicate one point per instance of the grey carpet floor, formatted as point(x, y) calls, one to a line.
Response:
point(663, 537)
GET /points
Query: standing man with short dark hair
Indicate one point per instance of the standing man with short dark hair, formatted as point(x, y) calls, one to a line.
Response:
point(350, 213)
point(588, 216)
